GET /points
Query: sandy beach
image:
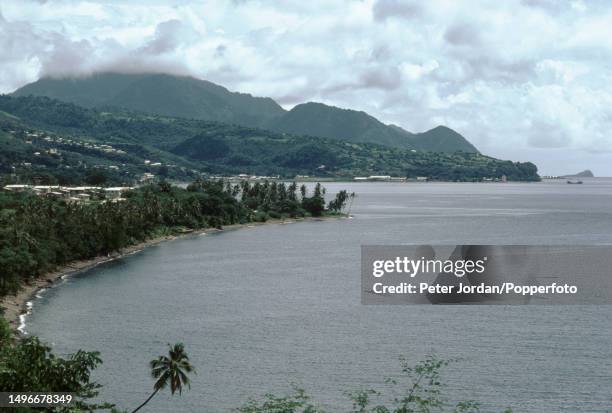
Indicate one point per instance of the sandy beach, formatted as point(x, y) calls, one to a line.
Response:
point(14, 306)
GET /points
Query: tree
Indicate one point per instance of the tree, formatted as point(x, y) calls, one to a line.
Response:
point(339, 202)
point(39, 233)
point(172, 369)
point(96, 178)
point(298, 402)
point(28, 365)
point(315, 204)
point(418, 389)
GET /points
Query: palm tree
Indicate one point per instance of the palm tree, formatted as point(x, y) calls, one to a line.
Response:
point(171, 369)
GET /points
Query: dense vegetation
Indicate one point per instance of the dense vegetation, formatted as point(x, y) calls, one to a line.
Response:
point(38, 156)
point(189, 147)
point(317, 119)
point(30, 365)
point(187, 97)
point(159, 94)
point(37, 234)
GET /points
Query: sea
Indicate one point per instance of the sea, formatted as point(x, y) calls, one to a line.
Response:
point(263, 308)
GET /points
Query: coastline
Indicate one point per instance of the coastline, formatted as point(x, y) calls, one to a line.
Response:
point(16, 307)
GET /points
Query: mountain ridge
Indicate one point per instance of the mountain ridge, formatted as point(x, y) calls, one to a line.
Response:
point(189, 97)
point(319, 119)
point(40, 136)
point(160, 94)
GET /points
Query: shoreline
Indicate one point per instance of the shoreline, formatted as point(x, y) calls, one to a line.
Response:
point(16, 307)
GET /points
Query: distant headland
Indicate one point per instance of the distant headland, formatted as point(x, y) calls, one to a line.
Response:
point(584, 174)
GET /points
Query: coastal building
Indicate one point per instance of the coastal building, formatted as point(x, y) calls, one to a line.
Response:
point(116, 192)
point(45, 189)
point(384, 178)
point(16, 188)
point(75, 193)
point(379, 178)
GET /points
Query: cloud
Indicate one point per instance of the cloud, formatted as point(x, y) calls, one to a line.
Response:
point(385, 9)
point(168, 35)
point(543, 134)
point(516, 77)
point(386, 78)
point(21, 50)
point(65, 57)
point(462, 34)
point(61, 57)
point(220, 50)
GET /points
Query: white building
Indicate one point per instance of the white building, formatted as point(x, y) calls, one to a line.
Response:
point(116, 192)
point(16, 188)
point(379, 177)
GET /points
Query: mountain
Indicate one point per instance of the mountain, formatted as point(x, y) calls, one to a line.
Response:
point(443, 139)
point(159, 94)
point(318, 119)
point(43, 137)
point(187, 97)
point(584, 174)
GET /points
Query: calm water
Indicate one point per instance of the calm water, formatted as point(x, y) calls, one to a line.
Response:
point(260, 307)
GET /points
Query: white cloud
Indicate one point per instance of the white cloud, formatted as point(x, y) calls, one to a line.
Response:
point(516, 77)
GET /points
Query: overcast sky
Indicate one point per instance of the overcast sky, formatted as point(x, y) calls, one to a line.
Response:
point(522, 80)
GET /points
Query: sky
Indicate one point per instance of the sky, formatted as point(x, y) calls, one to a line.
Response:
point(527, 80)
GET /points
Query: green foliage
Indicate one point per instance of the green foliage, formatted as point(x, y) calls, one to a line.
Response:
point(315, 205)
point(318, 119)
point(5, 335)
point(187, 97)
point(96, 178)
point(209, 148)
point(309, 157)
point(172, 370)
point(197, 146)
point(40, 147)
point(29, 365)
point(298, 402)
point(160, 94)
point(37, 234)
point(418, 389)
point(469, 167)
point(339, 202)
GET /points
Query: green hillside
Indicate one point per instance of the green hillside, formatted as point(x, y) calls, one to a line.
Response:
point(184, 147)
point(187, 97)
point(442, 139)
point(159, 94)
point(35, 153)
point(317, 119)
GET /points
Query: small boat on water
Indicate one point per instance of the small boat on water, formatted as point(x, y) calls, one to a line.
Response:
point(574, 182)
